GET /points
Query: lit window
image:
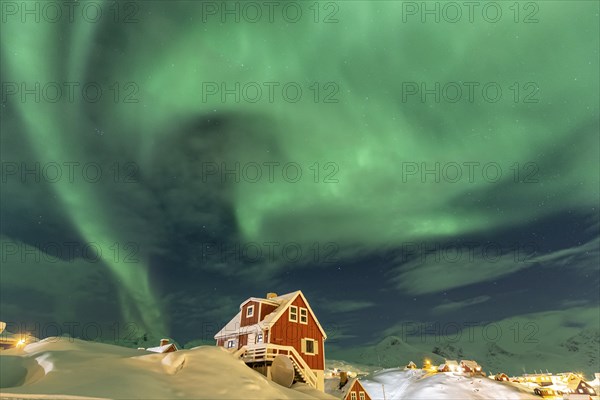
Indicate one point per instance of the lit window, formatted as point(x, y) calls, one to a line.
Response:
point(580, 390)
point(230, 344)
point(249, 311)
point(353, 395)
point(259, 338)
point(303, 315)
point(361, 395)
point(293, 314)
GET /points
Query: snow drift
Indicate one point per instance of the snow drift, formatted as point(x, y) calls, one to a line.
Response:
point(69, 368)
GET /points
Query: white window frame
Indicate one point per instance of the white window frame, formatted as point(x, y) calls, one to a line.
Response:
point(231, 343)
point(305, 316)
point(361, 395)
point(352, 395)
point(295, 314)
point(259, 338)
point(250, 311)
point(315, 346)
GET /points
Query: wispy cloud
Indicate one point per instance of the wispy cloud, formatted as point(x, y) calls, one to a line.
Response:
point(439, 271)
point(347, 305)
point(456, 305)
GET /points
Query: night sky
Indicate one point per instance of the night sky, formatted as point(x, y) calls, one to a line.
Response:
point(382, 189)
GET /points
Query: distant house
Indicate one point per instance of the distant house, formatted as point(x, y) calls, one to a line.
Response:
point(443, 368)
point(164, 347)
point(10, 340)
point(470, 366)
point(356, 391)
point(411, 365)
point(576, 386)
point(502, 377)
point(547, 391)
point(540, 379)
point(452, 365)
point(278, 325)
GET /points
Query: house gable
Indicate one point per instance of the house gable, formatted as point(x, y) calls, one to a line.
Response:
point(250, 311)
point(356, 387)
point(284, 309)
point(288, 333)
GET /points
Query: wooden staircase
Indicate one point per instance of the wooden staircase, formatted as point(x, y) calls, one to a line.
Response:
point(266, 352)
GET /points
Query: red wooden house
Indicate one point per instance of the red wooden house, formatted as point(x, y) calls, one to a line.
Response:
point(356, 391)
point(278, 325)
point(470, 366)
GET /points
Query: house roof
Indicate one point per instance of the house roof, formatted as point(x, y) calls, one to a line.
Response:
point(259, 300)
point(162, 349)
point(574, 383)
point(348, 386)
point(283, 302)
point(470, 363)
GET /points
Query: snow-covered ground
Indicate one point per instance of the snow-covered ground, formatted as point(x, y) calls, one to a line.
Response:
point(578, 353)
point(62, 368)
point(392, 384)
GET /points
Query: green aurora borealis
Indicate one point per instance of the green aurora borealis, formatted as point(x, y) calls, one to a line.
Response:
point(372, 134)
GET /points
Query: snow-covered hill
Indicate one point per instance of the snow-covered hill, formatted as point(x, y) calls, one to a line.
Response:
point(58, 368)
point(394, 384)
point(389, 353)
point(577, 353)
point(417, 385)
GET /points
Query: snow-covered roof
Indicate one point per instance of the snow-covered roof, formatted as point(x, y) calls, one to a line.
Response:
point(470, 363)
point(162, 349)
point(2, 326)
point(233, 327)
point(575, 381)
point(259, 300)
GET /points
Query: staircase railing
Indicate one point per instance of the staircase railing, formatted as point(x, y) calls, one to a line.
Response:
point(268, 352)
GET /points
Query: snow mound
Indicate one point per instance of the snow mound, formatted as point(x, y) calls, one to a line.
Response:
point(396, 383)
point(17, 371)
point(71, 368)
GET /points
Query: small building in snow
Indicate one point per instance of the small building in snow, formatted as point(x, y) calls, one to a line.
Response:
point(10, 340)
point(356, 391)
point(443, 368)
point(547, 391)
point(576, 385)
point(164, 347)
point(452, 365)
point(470, 367)
point(502, 377)
point(411, 365)
point(540, 379)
